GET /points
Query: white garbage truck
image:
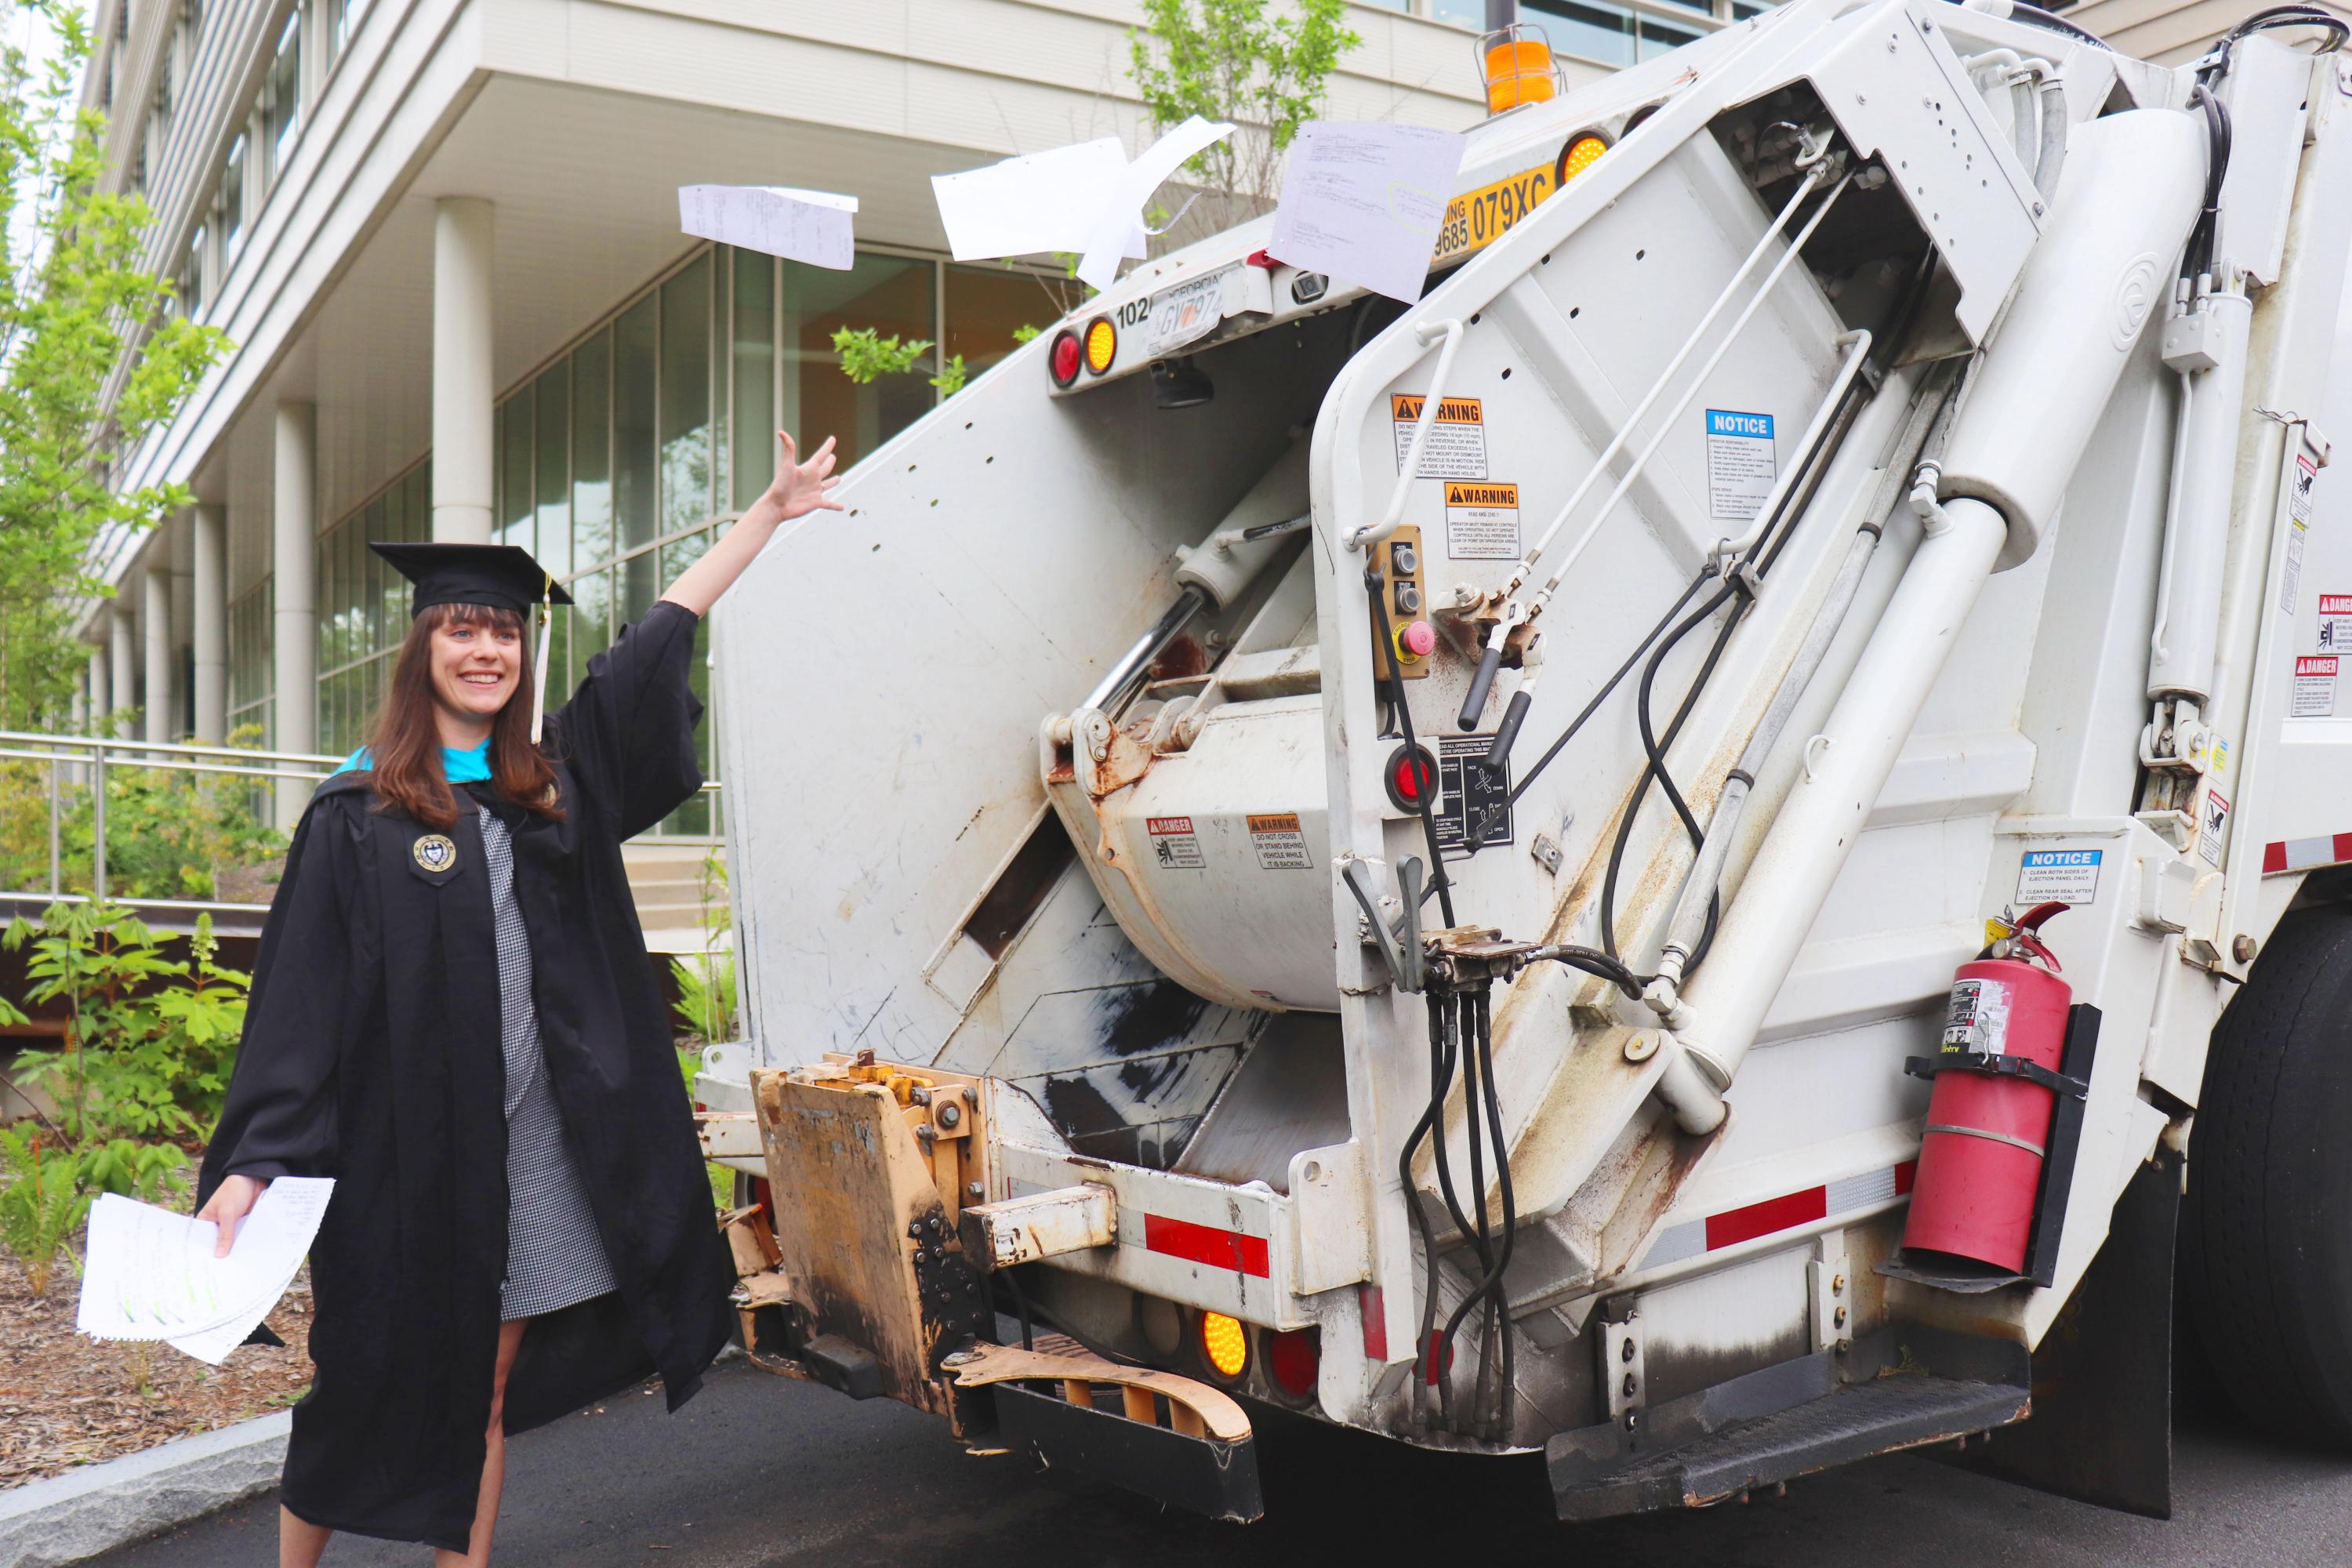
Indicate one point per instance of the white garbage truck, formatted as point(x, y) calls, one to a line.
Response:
point(1719, 847)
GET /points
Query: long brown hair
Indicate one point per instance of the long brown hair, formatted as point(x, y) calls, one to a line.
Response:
point(405, 740)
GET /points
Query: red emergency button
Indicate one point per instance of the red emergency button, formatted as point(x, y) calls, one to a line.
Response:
point(1415, 640)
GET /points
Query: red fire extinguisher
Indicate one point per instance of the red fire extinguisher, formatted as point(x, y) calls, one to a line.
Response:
point(1988, 1120)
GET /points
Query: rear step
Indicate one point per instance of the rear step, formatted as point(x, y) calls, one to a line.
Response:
point(1897, 1388)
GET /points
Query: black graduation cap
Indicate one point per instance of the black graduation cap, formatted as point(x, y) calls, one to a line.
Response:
point(503, 576)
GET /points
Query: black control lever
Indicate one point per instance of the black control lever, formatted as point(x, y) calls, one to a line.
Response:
point(1474, 706)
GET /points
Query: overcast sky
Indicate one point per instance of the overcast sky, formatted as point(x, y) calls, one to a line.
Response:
point(31, 32)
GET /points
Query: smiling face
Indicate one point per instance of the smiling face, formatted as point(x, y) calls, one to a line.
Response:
point(477, 667)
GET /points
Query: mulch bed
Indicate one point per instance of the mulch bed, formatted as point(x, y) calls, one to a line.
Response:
point(67, 1401)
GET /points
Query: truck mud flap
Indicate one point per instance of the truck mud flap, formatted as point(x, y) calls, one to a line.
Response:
point(1168, 1437)
point(1895, 1389)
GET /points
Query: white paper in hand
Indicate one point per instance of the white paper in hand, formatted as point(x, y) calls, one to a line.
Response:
point(150, 1274)
point(1362, 199)
point(777, 220)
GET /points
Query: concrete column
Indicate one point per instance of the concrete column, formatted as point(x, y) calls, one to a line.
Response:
point(294, 577)
point(462, 232)
point(121, 662)
point(155, 724)
point(209, 539)
point(90, 702)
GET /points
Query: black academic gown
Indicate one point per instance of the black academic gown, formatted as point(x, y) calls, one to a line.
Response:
point(372, 1054)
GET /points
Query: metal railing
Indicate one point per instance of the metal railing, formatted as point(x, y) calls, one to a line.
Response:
point(85, 759)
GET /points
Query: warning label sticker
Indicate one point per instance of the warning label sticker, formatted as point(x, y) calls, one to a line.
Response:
point(2290, 574)
point(2213, 823)
point(2314, 693)
point(1280, 842)
point(1174, 843)
point(2059, 876)
point(1740, 464)
point(1976, 1020)
point(2335, 623)
point(1457, 436)
point(1481, 520)
point(2298, 511)
point(1469, 795)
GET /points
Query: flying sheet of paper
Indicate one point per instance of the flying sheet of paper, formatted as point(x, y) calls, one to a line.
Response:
point(150, 1274)
point(1099, 268)
point(1033, 204)
point(799, 225)
point(1362, 200)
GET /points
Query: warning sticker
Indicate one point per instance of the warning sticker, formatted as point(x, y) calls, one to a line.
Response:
point(1469, 795)
point(2335, 623)
point(2213, 823)
point(2298, 511)
point(2059, 876)
point(2306, 476)
point(1740, 466)
point(1977, 1021)
point(2314, 694)
point(2290, 574)
point(1174, 843)
point(1481, 520)
point(1280, 842)
point(1457, 436)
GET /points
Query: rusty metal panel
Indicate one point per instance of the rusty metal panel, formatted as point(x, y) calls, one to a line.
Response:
point(1042, 1225)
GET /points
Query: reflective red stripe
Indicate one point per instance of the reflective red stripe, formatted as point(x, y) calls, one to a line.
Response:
point(1903, 1174)
point(1731, 1228)
point(1206, 1244)
point(2273, 857)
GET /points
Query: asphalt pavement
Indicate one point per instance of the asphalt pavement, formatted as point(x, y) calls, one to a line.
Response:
point(760, 1472)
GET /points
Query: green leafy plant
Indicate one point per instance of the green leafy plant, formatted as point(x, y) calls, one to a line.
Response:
point(868, 356)
point(149, 1043)
point(75, 307)
point(951, 379)
point(706, 995)
point(169, 834)
point(41, 1207)
point(1241, 60)
point(1024, 332)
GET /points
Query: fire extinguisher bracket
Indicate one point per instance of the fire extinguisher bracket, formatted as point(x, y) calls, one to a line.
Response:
point(2032, 1072)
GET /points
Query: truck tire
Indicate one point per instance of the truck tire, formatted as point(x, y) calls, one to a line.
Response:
point(2267, 1224)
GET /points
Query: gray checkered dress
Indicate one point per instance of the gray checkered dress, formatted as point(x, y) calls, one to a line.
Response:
point(554, 1256)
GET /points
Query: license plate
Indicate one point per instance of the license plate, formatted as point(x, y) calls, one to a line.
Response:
point(1184, 314)
point(1475, 219)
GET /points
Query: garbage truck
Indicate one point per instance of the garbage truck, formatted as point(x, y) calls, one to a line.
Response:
point(1721, 847)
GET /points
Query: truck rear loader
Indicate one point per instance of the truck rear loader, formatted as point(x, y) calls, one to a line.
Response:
point(1718, 849)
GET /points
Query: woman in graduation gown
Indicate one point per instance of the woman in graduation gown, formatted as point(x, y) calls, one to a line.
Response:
point(453, 1015)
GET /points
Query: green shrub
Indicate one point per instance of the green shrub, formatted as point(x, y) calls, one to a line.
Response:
point(41, 1207)
point(169, 834)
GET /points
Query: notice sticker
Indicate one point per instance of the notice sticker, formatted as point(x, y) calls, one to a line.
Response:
point(1280, 842)
point(2335, 623)
point(1457, 438)
point(2213, 823)
point(1174, 843)
point(2314, 693)
point(1740, 464)
point(2058, 876)
point(1468, 793)
point(1481, 520)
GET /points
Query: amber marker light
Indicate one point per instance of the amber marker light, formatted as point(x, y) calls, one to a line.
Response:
point(1225, 1343)
point(1581, 154)
point(1102, 345)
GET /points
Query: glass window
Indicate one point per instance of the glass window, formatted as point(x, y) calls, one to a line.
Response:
point(636, 515)
point(686, 397)
point(986, 305)
point(334, 31)
point(888, 294)
point(515, 485)
point(1599, 33)
point(1657, 38)
point(281, 98)
point(590, 618)
point(553, 393)
point(228, 204)
point(592, 452)
point(753, 367)
point(1462, 13)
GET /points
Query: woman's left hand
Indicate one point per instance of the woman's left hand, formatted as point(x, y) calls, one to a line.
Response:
point(800, 487)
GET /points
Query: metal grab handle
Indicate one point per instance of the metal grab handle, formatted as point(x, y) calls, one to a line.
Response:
point(1474, 705)
point(1424, 334)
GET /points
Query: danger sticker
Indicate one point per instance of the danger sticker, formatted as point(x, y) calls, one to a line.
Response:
point(2314, 693)
point(1741, 464)
point(1280, 842)
point(1174, 843)
point(1481, 520)
point(2335, 623)
point(2059, 876)
point(1457, 436)
point(2213, 823)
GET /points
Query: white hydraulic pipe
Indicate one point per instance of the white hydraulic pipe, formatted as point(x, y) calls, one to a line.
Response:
point(2196, 546)
point(1826, 809)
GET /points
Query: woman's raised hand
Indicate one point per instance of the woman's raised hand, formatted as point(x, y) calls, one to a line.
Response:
point(800, 487)
point(230, 1203)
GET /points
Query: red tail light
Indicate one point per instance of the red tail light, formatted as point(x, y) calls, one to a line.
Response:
point(1410, 776)
point(1293, 1361)
point(1062, 359)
